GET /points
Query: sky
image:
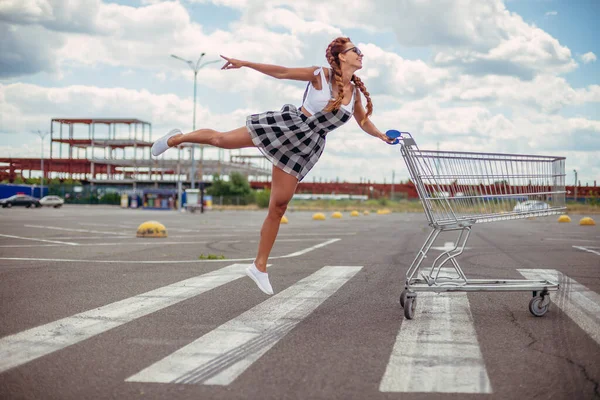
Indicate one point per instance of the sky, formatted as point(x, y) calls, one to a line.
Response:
point(489, 76)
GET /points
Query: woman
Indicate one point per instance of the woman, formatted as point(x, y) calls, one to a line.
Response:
point(292, 139)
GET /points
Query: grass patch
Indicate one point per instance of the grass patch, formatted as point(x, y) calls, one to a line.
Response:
point(211, 257)
point(350, 205)
point(399, 206)
point(578, 208)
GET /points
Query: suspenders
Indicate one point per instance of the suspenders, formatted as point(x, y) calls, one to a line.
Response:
point(330, 87)
point(322, 78)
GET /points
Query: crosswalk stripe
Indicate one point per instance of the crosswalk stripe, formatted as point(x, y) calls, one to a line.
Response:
point(28, 345)
point(220, 356)
point(437, 351)
point(589, 249)
point(581, 304)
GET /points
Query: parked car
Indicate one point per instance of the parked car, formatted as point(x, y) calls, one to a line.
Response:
point(531, 205)
point(52, 201)
point(21, 200)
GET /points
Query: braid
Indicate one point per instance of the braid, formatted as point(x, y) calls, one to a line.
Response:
point(332, 55)
point(334, 63)
point(360, 85)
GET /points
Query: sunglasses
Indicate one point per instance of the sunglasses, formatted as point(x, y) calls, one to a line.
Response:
point(354, 49)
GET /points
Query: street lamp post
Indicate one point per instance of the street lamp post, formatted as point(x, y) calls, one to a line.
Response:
point(575, 185)
point(195, 68)
point(42, 135)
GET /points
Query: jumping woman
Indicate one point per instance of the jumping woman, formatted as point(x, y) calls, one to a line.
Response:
point(293, 138)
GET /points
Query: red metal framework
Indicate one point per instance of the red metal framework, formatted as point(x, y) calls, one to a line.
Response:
point(115, 151)
point(104, 139)
point(99, 140)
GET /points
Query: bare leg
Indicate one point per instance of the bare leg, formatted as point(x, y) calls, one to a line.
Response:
point(283, 187)
point(235, 139)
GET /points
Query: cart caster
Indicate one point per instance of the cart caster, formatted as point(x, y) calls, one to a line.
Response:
point(403, 297)
point(539, 305)
point(410, 303)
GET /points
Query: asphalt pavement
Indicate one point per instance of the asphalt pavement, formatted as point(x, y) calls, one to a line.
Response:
point(90, 311)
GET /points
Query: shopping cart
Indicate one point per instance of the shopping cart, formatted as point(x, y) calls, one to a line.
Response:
point(460, 189)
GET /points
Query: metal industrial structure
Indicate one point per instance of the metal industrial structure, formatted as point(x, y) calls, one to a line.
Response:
point(117, 151)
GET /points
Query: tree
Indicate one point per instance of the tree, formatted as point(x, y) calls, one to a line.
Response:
point(239, 184)
point(236, 186)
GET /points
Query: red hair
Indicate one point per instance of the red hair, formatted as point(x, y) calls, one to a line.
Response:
point(335, 48)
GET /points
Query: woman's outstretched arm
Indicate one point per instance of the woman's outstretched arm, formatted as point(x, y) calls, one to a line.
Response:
point(367, 125)
point(276, 71)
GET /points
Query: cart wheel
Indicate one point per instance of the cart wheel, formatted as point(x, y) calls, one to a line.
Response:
point(409, 307)
point(403, 297)
point(539, 307)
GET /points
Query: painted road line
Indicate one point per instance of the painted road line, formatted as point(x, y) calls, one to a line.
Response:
point(589, 249)
point(55, 228)
point(39, 240)
point(437, 351)
point(298, 253)
point(92, 237)
point(223, 354)
point(28, 345)
point(571, 240)
point(581, 304)
point(112, 244)
point(279, 236)
point(448, 246)
point(318, 246)
point(32, 245)
point(134, 243)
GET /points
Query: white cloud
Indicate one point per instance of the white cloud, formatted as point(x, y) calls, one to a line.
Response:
point(32, 31)
point(489, 39)
point(588, 57)
point(57, 15)
point(545, 93)
point(388, 73)
point(525, 52)
point(551, 13)
point(493, 83)
point(27, 50)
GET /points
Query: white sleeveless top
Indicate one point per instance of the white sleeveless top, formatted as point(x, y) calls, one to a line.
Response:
point(316, 100)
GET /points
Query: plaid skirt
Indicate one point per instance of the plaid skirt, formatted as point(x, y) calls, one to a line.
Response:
point(285, 138)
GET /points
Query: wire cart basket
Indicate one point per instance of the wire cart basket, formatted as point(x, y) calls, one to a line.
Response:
point(460, 189)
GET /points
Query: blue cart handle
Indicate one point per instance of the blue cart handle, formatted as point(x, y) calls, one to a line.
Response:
point(396, 135)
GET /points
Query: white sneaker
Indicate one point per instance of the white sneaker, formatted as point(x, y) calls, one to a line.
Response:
point(161, 145)
point(260, 278)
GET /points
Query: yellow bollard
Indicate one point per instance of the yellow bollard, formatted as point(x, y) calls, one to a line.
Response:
point(319, 217)
point(587, 221)
point(354, 213)
point(564, 218)
point(366, 212)
point(284, 220)
point(336, 214)
point(151, 229)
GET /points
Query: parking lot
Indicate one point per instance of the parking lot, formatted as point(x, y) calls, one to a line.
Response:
point(89, 310)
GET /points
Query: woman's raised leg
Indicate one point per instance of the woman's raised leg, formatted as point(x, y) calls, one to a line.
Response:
point(235, 139)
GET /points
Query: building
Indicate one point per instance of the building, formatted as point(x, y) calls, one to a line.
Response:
point(117, 151)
